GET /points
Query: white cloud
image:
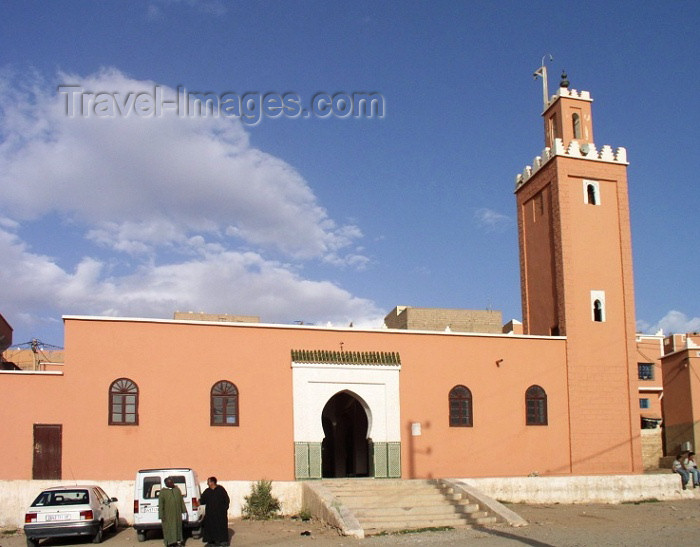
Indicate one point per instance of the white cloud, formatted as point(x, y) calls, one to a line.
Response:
point(123, 175)
point(8, 223)
point(154, 13)
point(673, 322)
point(173, 213)
point(136, 237)
point(208, 7)
point(222, 282)
point(491, 220)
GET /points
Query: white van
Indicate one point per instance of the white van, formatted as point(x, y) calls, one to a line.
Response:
point(146, 489)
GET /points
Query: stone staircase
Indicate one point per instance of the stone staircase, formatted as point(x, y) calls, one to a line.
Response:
point(386, 505)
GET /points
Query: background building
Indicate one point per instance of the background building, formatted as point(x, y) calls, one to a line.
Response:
point(681, 404)
point(408, 317)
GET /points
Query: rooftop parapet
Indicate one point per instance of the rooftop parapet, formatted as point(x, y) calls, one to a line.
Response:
point(586, 151)
point(571, 93)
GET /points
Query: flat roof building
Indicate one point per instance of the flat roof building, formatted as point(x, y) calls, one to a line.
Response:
point(441, 319)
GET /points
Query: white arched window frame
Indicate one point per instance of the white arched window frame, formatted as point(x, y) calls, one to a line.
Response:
point(598, 306)
point(591, 192)
point(576, 122)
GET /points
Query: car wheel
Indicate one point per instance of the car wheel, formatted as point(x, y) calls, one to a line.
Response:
point(196, 533)
point(97, 538)
point(141, 535)
point(116, 523)
point(31, 542)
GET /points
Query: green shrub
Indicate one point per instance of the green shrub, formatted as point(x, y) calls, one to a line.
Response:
point(261, 504)
point(305, 514)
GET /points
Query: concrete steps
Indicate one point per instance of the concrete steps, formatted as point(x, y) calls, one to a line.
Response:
point(386, 505)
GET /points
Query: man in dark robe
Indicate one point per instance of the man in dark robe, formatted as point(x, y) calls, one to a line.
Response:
point(171, 507)
point(215, 525)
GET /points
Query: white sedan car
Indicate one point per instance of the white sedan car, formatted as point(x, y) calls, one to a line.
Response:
point(70, 511)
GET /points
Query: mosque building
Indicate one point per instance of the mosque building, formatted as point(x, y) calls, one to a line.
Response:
point(426, 397)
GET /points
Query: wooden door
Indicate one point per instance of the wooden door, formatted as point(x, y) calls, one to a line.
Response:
point(48, 441)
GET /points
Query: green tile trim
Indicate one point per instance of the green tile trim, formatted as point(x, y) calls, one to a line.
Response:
point(379, 456)
point(315, 460)
point(346, 357)
point(301, 461)
point(385, 460)
point(307, 461)
point(394, 460)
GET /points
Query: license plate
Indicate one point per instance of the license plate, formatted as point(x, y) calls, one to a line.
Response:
point(59, 516)
point(149, 509)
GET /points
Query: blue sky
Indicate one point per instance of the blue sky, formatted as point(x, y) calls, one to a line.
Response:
point(335, 219)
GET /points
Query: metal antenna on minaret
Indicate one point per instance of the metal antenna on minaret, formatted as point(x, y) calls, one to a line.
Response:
point(542, 73)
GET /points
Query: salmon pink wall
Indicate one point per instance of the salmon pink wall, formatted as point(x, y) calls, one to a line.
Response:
point(175, 365)
point(682, 400)
point(538, 254)
point(596, 256)
point(28, 399)
point(678, 404)
point(499, 443)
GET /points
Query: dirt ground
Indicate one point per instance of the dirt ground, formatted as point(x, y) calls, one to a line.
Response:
point(652, 523)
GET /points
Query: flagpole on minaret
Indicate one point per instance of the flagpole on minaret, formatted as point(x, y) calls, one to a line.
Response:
point(542, 73)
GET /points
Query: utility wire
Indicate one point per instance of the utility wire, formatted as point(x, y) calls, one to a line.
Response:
point(36, 345)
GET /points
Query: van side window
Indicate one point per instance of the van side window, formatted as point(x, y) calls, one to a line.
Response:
point(151, 487)
point(181, 483)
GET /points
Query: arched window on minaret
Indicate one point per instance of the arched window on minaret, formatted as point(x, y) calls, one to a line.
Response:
point(598, 306)
point(576, 119)
point(598, 311)
point(591, 192)
point(553, 127)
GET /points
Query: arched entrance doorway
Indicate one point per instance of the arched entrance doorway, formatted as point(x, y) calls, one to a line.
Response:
point(344, 450)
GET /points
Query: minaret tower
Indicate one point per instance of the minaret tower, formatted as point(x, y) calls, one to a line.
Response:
point(576, 280)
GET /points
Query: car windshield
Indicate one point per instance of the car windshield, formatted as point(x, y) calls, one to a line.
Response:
point(51, 498)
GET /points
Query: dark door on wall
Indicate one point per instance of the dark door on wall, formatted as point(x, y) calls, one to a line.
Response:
point(344, 451)
point(48, 440)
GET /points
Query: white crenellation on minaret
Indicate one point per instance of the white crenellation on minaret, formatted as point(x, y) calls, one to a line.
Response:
point(585, 151)
point(572, 94)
